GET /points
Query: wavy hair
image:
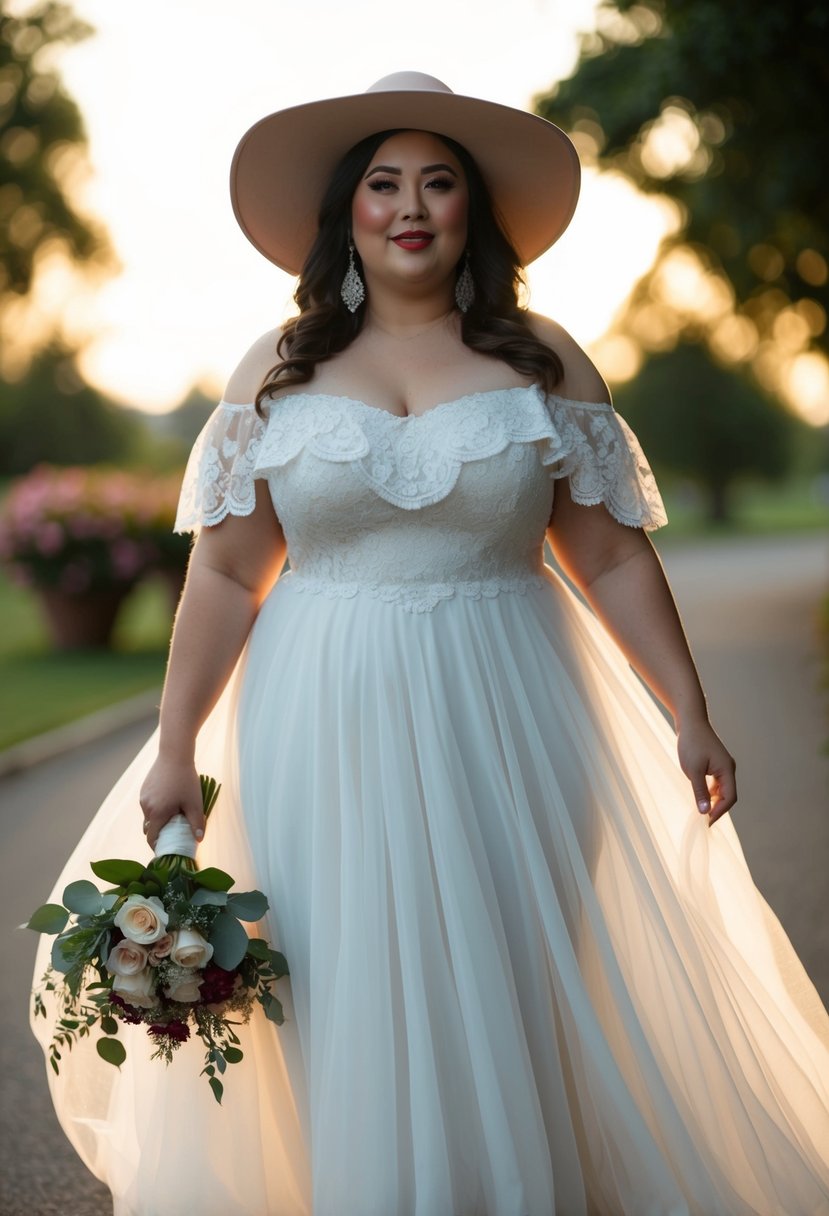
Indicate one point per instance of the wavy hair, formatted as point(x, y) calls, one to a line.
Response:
point(496, 324)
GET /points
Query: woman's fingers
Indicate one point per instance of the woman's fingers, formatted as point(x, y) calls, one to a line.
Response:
point(710, 769)
point(170, 790)
point(725, 788)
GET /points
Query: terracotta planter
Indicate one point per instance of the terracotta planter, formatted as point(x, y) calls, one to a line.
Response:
point(85, 620)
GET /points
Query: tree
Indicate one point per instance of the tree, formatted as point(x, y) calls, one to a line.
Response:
point(51, 415)
point(720, 107)
point(42, 140)
point(695, 418)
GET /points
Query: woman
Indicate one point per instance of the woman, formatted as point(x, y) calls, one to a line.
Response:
point(525, 977)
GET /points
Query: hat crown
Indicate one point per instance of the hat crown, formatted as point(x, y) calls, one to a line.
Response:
point(408, 82)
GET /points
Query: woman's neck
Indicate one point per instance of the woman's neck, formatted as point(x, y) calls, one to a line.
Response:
point(405, 315)
point(408, 325)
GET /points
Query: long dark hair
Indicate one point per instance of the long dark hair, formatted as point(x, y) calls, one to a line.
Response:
point(495, 324)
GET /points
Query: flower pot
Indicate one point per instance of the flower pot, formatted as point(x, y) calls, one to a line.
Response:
point(85, 619)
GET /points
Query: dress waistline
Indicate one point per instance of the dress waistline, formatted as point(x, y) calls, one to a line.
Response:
point(415, 595)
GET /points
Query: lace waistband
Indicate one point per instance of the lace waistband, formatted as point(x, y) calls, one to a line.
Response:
point(414, 596)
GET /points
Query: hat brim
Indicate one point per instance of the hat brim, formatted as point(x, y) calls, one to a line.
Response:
point(283, 164)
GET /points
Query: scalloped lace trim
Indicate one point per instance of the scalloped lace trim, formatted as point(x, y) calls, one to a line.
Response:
point(219, 478)
point(412, 465)
point(414, 597)
point(414, 462)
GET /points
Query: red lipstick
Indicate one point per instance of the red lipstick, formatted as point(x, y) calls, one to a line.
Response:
point(413, 239)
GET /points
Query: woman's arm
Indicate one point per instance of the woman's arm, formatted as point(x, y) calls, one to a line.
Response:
point(232, 567)
point(620, 575)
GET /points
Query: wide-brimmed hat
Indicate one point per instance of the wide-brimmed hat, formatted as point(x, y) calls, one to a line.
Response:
point(282, 165)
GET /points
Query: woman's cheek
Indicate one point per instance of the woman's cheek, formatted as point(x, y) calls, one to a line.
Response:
point(454, 211)
point(370, 213)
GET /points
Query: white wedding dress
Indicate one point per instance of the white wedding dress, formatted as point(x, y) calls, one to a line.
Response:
point(526, 978)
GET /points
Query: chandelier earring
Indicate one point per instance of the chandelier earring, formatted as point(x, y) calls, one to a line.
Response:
point(465, 287)
point(353, 290)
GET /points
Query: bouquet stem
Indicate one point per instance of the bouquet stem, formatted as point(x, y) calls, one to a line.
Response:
point(176, 840)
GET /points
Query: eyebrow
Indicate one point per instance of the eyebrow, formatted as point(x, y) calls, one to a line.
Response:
point(425, 169)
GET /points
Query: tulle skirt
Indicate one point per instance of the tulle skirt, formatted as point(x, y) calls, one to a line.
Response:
point(526, 977)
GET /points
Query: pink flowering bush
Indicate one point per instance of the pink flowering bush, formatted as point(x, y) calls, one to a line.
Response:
point(79, 529)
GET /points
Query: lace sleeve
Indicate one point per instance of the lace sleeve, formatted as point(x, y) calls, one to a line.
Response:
point(218, 480)
point(604, 462)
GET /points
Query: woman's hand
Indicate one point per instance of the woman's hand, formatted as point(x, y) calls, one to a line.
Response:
point(702, 755)
point(170, 788)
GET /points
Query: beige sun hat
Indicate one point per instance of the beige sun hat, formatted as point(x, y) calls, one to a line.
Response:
point(282, 165)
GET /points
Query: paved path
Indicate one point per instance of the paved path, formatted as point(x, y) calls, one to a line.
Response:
point(750, 611)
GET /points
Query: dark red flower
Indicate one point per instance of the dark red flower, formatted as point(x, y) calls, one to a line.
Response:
point(179, 1031)
point(128, 1013)
point(217, 985)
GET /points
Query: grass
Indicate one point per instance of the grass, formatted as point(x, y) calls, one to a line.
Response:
point(792, 506)
point(41, 689)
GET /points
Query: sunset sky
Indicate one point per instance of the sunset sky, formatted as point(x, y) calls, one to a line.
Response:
point(167, 88)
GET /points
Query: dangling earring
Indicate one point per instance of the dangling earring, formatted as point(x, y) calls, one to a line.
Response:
point(465, 287)
point(353, 290)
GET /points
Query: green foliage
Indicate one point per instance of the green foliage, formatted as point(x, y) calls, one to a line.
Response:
point(120, 871)
point(44, 136)
point(53, 416)
point(699, 420)
point(49, 918)
point(229, 941)
point(111, 1050)
point(747, 82)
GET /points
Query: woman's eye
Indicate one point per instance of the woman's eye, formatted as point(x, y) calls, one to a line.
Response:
point(441, 183)
point(379, 184)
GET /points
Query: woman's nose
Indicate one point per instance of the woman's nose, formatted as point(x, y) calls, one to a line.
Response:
point(413, 206)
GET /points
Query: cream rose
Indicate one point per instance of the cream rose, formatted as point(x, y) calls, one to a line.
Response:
point(142, 918)
point(160, 949)
point(186, 989)
point(127, 958)
point(136, 989)
point(190, 949)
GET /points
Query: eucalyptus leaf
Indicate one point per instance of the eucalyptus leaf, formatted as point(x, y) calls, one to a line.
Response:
point(258, 948)
point(49, 918)
point(279, 964)
point(216, 1086)
point(112, 1050)
point(83, 898)
point(273, 1008)
point(233, 1055)
point(229, 941)
point(247, 905)
point(60, 962)
point(204, 896)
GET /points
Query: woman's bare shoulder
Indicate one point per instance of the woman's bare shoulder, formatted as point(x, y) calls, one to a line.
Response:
point(247, 379)
point(582, 380)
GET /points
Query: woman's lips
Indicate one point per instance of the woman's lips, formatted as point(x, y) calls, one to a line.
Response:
point(413, 240)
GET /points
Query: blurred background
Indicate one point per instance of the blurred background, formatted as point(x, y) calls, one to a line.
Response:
point(695, 271)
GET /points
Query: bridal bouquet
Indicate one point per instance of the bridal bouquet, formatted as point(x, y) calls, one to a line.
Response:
point(163, 945)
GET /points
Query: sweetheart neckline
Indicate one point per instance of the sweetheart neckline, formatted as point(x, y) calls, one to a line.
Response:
point(441, 405)
point(535, 389)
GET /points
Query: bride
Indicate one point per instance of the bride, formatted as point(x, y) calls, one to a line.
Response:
point(530, 971)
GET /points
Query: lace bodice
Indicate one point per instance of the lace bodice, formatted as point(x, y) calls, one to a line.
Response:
point(415, 510)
